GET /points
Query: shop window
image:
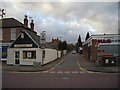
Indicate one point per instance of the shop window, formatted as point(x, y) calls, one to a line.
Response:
point(29, 54)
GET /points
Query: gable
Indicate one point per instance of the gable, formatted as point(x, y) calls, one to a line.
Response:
point(23, 42)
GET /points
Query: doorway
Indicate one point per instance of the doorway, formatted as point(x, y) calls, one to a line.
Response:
point(17, 57)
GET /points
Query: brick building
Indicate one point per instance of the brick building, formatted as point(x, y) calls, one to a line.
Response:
point(54, 43)
point(9, 30)
point(90, 45)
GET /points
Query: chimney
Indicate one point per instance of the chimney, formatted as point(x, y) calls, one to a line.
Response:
point(26, 21)
point(32, 25)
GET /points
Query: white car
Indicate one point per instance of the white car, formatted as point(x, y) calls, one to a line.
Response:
point(74, 52)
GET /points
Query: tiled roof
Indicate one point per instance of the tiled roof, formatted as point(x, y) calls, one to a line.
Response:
point(10, 22)
point(34, 36)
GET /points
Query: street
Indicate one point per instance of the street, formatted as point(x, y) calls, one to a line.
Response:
point(68, 73)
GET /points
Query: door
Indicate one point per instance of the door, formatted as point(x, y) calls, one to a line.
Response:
point(17, 57)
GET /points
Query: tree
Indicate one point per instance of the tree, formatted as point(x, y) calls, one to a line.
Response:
point(62, 45)
point(87, 36)
point(79, 41)
point(78, 44)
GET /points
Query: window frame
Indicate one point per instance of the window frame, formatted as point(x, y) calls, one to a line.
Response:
point(13, 33)
point(29, 54)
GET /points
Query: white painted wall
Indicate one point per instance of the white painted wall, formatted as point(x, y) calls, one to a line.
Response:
point(50, 55)
point(59, 54)
point(10, 59)
point(64, 52)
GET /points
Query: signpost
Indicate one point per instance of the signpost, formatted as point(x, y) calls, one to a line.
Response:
point(42, 44)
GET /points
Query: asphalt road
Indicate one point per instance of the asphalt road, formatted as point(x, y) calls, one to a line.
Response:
point(66, 74)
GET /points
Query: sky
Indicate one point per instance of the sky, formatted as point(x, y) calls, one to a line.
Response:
point(66, 19)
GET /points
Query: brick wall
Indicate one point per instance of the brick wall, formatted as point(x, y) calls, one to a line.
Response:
point(6, 35)
point(85, 50)
point(94, 50)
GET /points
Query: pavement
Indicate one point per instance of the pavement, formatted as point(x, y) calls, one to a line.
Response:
point(23, 68)
point(85, 63)
point(91, 66)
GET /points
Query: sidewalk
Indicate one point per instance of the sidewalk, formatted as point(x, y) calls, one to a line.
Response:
point(45, 67)
point(90, 66)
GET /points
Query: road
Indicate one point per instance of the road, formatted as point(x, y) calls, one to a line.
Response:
point(66, 74)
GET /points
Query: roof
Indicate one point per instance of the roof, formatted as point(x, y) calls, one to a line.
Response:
point(36, 38)
point(101, 36)
point(10, 22)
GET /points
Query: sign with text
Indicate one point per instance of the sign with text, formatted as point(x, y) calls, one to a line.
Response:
point(43, 39)
point(22, 45)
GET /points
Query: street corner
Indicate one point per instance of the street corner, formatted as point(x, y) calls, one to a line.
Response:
point(104, 69)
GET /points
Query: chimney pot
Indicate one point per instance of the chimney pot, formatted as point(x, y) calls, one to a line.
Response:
point(32, 25)
point(26, 21)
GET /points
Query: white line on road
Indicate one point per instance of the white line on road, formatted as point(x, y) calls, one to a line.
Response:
point(60, 72)
point(67, 72)
point(52, 72)
point(75, 72)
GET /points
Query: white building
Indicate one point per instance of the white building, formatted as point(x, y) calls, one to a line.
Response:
point(27, 50)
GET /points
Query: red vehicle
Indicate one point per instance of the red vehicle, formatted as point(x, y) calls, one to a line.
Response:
point(108, 54)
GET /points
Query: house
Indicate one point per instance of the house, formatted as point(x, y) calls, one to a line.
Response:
point(10, 28)
point(90, 46)
point(27, 50)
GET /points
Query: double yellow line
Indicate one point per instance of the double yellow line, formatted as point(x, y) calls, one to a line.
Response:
point(81, 68)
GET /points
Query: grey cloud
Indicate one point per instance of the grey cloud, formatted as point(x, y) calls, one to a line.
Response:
point(95, 17)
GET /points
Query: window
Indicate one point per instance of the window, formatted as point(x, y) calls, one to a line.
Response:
point(4, 51)
point(29, 54)
point(13, 33)
point(43, 54)
point(22, 35)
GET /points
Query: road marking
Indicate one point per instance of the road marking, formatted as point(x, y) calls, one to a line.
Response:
point(75, 72)
point(82, 72)
point(52, 72)
point(65, 78)
point(45, 72)
point(60, 72)
point(56, 65)
point(80, 67)
point(25, 72)
point(67, 72)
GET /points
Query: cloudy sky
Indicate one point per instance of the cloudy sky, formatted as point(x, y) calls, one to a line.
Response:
point(66, 20)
